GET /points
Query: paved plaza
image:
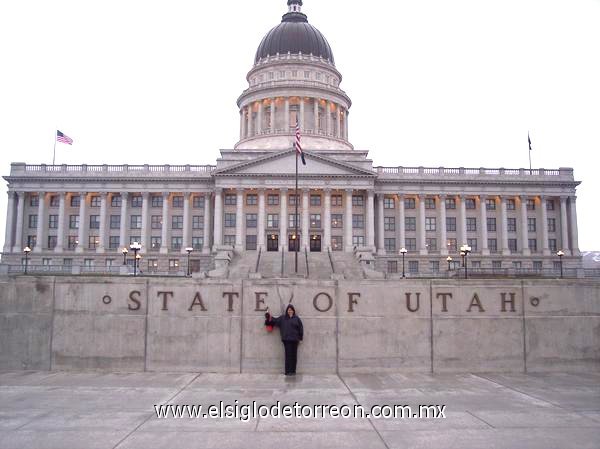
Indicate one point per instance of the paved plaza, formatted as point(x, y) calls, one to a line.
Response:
point(60, 410)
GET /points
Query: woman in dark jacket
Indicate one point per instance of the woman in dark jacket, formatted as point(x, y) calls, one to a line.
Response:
point(292, 332)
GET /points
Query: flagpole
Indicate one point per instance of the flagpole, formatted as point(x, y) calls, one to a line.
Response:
point(529, 141)
point(296, 241)
point(54, 152)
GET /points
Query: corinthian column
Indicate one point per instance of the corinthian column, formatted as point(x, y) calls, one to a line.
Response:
point(19, 224)
point(102, 237)
point(442, 225)
point(380, 225)
point(524, 230)
point(10, 217)
point(218, 232)
point(327, 219)
point(574, 233)
point(60, 236)
point(283, 220)
point(348, 222)
point(82, 238)
point(260, 240)
point(371, 219)
point(305, 219)
point(484, 232)
point(207, 224)
point(239, 219)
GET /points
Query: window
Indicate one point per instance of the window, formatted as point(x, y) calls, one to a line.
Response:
point(337, 243)
point(68, 262)
point(496, 264)
point(429, 203)
point(272, 221)
point(94, 221)
point(392, 266)
point(52, 221)
point(198, 202)
point(271, 75)
point(358, 200)
point(113, 242)
point(251, 242)
point(136, 201)
point(306, 74)
point(295, 73)
point(471, 224)
point(490, 204)
point(431, 244)
point(473, 244)
point(31, 241)
point(251, 220)
point(293, 220)
point(134, 239)
point(75, 201)
point(155, 243)
point(176, 243)
point(230, 199)
point(531, 225)
point(177, 222)
point(136, 222)
point(410, 244)
point(115, 221)
point(358, 240)
point(430, 223)
point(34, 201)
point(315, 200)
point(388, 203)
point(152, 264)
point(410, 223)
point(318, 76)
point(550, 204)
point(493, 245)
point(476, 264)
point(409, 203)
point(51, 241)
point(556, 265)
point(92, 242)
point(358, 221)
point(229, 240)
point(530, 204)
point(115, 201)
point(315, 221)
point(512, 245)
point(450, 203)
point(72, 242)
point(251, 199)
point(510, 204)
point(337, 221)
point(293, 199)
point(88, 263)
point(177, 201)
point(552, 245)
point(173, 264)
point(551, 225)
point(491, 225)
point(95, 201)
point(33, 219)
point(282, 74)
point(54, 201)
point(537, 265)
point(452, 245)
point(157, 201)
point(516, 265)
point(273, 200)
point(413, 266)
point(389, 223)
point(511, 224)
point(197, 243)
point(336, 200)
point(532, 243)
point(230, 220)
point(451, 224)
point(198, 222)
point(156, 221)
point(390, 244)
point(434, 266)
point(470, 203)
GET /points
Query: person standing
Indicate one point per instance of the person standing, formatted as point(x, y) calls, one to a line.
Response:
point(292, 333)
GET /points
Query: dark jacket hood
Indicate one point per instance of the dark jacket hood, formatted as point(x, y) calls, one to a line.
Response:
point(289, 307)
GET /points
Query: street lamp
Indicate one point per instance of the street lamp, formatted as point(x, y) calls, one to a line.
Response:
point(560, 255)
point(138, 258)
point(403, 251)
point(124, 251)
point(27, 250)
point(448, 259)
point(189, 250)
point(135, 247)
point(464, 251)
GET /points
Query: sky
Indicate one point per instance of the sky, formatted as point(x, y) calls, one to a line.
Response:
point(433, 82)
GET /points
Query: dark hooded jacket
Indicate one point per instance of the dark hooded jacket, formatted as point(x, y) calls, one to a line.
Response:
point(291, 329)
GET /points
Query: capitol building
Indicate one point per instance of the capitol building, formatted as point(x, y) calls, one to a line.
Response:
point(81, 217)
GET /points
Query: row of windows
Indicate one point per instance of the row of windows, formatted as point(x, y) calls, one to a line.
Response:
point(89, 263)
point(113, 242)
point(337, 221)
point(116, 201)
point(470, 203)
point(273, 200)
point(281, 74)
point(156, 222)
point(434, 265)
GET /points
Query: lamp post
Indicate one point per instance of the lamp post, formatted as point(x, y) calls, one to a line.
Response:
point(560, 255)
point(138, 257)
point(448, 259)
point(124, 252)
point(403, 251)
point(27, 250)
point(189, 250)
point(464, 251)
point(135, 247)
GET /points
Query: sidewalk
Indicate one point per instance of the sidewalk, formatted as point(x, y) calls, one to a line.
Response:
point(59, 410)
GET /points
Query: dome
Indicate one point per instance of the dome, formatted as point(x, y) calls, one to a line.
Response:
point(294, 35)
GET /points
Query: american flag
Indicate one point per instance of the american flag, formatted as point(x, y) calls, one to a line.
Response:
point(298, 145)
point(60, 137)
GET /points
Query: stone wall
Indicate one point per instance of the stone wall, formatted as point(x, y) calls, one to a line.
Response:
point(181, 324)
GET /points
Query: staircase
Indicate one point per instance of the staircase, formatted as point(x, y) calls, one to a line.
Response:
point(243, 264)
point(270, 264)
point(346, 264)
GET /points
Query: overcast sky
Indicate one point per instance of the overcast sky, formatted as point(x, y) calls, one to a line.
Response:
point(433, 82)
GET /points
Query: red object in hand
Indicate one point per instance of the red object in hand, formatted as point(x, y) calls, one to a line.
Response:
point(268, 326)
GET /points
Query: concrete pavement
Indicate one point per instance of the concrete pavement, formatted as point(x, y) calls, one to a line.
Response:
point(89, 410)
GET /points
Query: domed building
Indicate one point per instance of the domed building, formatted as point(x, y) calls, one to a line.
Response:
point(256, 207)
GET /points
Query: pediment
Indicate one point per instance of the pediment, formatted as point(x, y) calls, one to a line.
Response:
point(283, 164)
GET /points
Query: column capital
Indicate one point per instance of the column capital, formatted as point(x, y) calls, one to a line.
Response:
point(145, 195)
point(187, 195)
point(421, 196)
point(261, 190)
point(42, 194)
point(11, 194)
point(218, 190)
point(84, 194)
point(349, 191)
point(327, 190)
point(523, 197)
point(283, 190)
point(165, 195)
point(103, 195)
point(62, 194)
point(573, 197)
point(482, 196)
point(442, 196)
point(124, 195)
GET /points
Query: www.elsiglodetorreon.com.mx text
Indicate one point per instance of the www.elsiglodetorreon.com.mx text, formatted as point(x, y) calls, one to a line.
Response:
point(246, 412)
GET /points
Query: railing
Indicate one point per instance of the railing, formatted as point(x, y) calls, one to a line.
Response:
point(470, 172)
point(486, 273)
point(110, 170)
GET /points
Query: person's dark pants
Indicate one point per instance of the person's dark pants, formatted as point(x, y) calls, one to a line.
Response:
point(291, 356)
